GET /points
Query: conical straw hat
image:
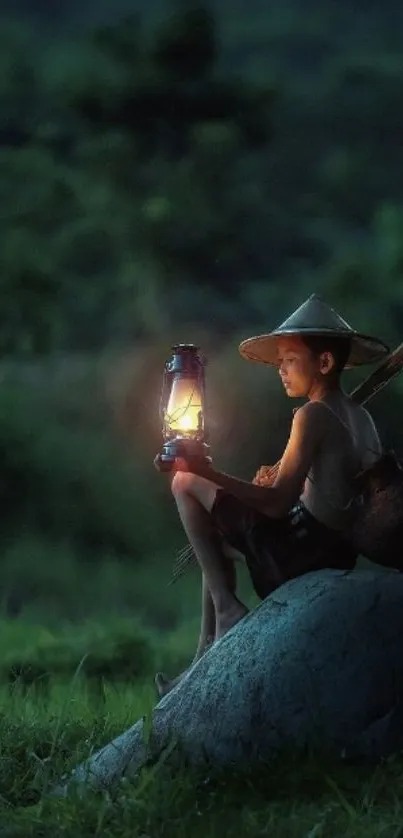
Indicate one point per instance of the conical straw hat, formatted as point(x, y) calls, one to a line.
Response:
point(314, 317)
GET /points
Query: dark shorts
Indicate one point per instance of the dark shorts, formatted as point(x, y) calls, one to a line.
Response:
point(278, 549)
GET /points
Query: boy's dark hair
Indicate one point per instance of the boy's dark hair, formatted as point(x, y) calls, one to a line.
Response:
point(340, 347)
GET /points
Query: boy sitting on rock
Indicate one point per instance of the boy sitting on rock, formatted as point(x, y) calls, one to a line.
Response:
point(296, 524)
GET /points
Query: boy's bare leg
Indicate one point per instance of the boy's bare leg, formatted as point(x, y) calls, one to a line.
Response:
point(207, 627)
point(206, 638)
point(194, 498)
point(208, 617)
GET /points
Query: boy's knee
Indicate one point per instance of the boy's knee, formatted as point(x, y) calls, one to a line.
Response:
point(182, 482)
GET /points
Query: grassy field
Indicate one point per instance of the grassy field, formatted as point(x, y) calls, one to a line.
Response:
point(67, 689)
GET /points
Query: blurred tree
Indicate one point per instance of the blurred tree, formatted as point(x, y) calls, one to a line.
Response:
point(186, 45)
point(140, 173)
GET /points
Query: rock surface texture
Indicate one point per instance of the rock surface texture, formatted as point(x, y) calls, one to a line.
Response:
point(320, 660)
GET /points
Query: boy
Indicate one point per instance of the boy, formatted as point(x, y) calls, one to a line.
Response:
point(296, 524)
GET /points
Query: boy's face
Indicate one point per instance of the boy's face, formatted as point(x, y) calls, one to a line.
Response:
point(300, 370)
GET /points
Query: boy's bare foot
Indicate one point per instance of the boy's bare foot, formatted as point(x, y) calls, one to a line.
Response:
point(229, 618)
point(165, 685)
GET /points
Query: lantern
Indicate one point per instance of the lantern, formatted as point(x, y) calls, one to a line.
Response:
point(183, 408)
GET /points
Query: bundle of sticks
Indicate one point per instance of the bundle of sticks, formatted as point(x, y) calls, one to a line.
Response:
point(389, 368)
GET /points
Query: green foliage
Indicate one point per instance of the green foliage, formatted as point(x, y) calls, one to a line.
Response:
point(149, 174)
point(69, 481)
point(295, 793)
point(119, 651)
point(125, 179)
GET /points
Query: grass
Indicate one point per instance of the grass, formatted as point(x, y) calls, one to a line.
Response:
point(69, 685)
point(291, 797)
point(45, 730)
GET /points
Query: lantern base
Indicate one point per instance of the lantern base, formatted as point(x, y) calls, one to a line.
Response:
point(192, 450)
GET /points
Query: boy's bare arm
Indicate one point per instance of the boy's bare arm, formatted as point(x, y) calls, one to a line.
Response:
point(276, 500)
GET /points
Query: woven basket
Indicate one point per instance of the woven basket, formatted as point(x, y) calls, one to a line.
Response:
point(377, 533)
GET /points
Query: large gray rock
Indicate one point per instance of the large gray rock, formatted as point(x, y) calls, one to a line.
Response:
point(321, 659)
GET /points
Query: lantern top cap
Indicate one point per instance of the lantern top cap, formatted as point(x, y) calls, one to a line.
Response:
point(314, 317)
point(185, 347)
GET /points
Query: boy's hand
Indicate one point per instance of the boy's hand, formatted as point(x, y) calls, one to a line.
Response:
point(157, 462)
point(180, 464)
point(263, 476)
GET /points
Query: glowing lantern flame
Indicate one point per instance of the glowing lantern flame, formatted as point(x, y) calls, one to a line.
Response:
point(184, 406)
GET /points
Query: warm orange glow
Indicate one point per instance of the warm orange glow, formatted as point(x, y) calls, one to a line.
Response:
point(184, 406)
point(185, 423)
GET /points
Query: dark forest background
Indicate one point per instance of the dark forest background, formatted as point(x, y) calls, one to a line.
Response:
point(169, 173)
